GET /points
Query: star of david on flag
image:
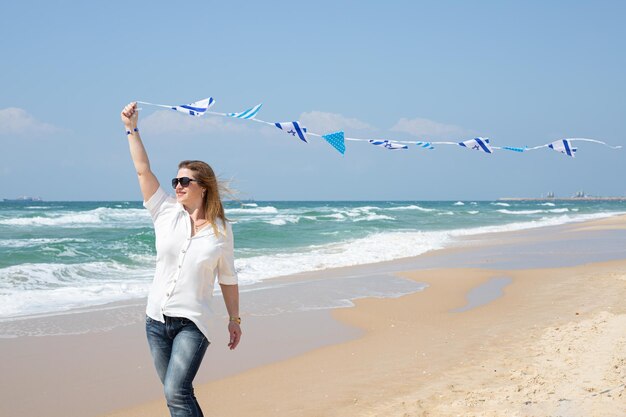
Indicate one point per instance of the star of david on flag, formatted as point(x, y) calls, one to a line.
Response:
point(478, 144)
point(388, 144)
point(293, 128)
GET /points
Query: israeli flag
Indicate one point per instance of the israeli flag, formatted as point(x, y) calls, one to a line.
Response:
point(247, 114)
point(563, 146)
point(293, 128)
point(478, 144)
point(388, 144)
point(197, 108)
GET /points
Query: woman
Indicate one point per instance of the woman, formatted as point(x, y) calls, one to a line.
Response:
point(194, 244)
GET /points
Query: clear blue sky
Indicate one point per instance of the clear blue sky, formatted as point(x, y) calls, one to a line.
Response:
point(521, 73)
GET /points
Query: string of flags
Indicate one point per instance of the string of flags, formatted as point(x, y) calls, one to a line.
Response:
point(337, 139)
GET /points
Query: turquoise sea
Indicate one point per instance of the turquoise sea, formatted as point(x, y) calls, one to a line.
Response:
point(55, 256)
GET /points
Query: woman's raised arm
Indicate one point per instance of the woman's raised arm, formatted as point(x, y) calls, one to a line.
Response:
point(147, 181)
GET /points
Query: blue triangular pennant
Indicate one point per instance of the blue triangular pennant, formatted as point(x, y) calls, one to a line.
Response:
point(336, 141)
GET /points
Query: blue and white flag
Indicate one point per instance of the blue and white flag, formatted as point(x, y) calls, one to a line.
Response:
point(478, 144)
point(247, 114)
point(563, 146)
point(293, 128)
point(336, 140)
point(197, 108)
point(425, 145)
point(388, 144)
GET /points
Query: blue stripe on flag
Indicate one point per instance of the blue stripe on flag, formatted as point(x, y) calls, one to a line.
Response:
point(300, 133)
point(567, 148)
point(245, 114)
point(255, 111)
point(482, 145)
point(198, 109)
point(241, 115)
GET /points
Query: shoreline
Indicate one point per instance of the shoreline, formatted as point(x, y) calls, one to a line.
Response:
point(480, 235)
point(348, 333)
point(32, 270)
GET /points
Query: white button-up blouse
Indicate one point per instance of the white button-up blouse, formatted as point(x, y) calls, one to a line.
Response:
point(186, 266)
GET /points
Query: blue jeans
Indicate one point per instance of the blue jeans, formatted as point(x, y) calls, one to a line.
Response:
point(177, 347)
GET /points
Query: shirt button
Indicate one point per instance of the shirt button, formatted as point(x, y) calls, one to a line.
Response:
point(183, 251)
point(167, 293)
point(180, 266)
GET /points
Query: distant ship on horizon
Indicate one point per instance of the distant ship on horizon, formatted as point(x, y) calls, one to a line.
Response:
point(23, 199)
point(579, 195)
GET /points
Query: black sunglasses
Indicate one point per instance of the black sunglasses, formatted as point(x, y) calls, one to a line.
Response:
point(184, 181)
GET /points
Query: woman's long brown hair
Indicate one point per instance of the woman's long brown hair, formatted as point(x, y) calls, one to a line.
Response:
point(212, 203)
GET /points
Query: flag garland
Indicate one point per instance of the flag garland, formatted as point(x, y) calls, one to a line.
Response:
point(337, 139)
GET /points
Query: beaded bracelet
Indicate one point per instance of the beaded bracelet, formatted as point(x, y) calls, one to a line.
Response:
point(128, 132)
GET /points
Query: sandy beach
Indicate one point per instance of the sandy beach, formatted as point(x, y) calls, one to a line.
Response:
point(487, 337)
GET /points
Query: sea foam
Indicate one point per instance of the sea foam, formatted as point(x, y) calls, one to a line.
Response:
point(377, 247)
point(39, 288)
point(101, 216)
